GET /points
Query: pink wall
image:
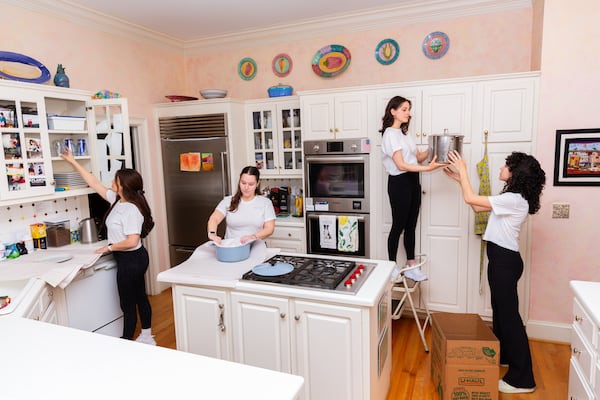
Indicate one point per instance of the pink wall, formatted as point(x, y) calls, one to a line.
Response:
point(503, 46)
point(565, 249)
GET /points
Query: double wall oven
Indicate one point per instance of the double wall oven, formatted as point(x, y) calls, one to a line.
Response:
point(337, 185)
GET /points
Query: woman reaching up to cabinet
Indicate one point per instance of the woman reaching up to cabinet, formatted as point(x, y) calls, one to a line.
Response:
point(523, 180)
point(127, 221)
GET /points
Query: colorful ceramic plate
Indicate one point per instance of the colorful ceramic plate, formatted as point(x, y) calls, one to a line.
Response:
point(181, 98)
point(387, 51)
point(282, 65)
point(247, 69)
point(19, 67)
point(331, 60)
point(435, 45)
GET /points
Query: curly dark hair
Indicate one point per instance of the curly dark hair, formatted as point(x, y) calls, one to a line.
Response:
point(527, 178)
point(388, 118)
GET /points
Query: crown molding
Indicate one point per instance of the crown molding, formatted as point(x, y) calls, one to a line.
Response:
point(407, 13)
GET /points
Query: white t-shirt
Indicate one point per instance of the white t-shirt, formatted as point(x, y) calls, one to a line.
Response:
point(124, 219)
point(394, 140)
point(249, 217)
point(509, 211)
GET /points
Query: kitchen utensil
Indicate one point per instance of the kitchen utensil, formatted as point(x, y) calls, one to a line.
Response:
point(89, 230)
point(441, 145)
point(232, 250)
point(280, 90)
point(213, 93)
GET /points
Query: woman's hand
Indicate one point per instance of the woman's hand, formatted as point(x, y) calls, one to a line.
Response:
point(247, 238)
point(433, 165)
point(67, 155)
point(452, 174)
point(458, 162)
point(102, 250)
point(216, 238)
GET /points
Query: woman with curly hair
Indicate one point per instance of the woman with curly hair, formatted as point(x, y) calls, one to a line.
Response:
point(524, 180)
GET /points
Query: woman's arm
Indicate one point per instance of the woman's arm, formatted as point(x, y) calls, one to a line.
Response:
point(213, 223)
point(404, 166)
point(129, 243)
point(87, 176)
point(265, 232)
point(477, 202)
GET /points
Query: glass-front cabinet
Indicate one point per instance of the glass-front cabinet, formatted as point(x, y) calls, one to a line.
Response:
point(276, 130)
point(37, 122)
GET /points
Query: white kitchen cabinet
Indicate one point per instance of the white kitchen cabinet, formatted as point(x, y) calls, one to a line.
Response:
point(262, 331)
point(289, 239)
point(335, 116)
point(202, 321)
point(275, 127)
point(39, 304)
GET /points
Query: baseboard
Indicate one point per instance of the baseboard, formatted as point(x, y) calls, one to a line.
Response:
point(550, 331)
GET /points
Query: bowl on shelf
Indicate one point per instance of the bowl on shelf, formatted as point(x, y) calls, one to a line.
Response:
point(213, 93)
point(280, 90)
point(176, 98)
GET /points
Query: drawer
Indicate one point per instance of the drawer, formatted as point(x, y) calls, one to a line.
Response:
point(582, 353)
point(288, 233)
point(579, 389)
point(582, 320)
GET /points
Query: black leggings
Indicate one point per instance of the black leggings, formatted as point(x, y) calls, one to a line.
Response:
point(404, 191)
point(505, 267)
point(131, 267)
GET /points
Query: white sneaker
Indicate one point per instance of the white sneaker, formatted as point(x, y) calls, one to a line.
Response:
point(507, 388)
point(146, 339)
point(416, 275)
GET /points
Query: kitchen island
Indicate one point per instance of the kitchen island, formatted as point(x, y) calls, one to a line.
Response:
point(340, 343)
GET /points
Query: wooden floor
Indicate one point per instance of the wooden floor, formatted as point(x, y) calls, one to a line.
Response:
point(410, 368)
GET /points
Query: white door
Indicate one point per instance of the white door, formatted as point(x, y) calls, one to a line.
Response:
point(262, 331)
point(328, 351)
point(350, 116)
point(201, 322)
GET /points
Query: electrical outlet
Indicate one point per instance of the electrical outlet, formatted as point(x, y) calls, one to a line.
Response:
point(560, 210)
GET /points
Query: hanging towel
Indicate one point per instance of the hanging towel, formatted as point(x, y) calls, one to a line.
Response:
point(347, 233)
point(327, 232)
point(481, 217)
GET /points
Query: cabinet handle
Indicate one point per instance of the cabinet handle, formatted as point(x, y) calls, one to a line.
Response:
point(424, 134)
point(576, 351)
point(423, 192)
point(289, 234)
point(282, 315)
point(297, 317)
point(418, 134)
point(221, 318)
point(578, 318)
point(337, 130)
point(330, 130)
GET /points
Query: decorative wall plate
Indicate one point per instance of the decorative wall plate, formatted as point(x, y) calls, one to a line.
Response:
point(247, 69)
point(331, 60)
point(282, 65)
point(18, 67)
point(435, 45)
point(387, 51)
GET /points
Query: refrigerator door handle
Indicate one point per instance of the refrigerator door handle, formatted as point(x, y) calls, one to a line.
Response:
point(224, 173)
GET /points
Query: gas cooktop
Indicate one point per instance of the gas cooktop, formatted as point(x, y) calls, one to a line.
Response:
point(344, 276)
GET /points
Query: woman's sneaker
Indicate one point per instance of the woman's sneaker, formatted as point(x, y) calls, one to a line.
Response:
point(507, 388)
point(416, 275)
point(146, 339)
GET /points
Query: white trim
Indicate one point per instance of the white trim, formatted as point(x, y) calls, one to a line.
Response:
point(550, 331)
point(410, 12)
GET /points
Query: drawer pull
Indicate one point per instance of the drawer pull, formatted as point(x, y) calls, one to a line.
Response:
point(576, 351)
point(578, 318)
point(297, 318)
point(282, 315)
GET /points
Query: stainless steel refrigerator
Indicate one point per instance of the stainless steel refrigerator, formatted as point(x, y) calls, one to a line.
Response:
point(196, 174)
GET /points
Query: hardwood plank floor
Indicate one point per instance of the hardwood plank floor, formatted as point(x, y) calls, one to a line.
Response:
point(410, 364)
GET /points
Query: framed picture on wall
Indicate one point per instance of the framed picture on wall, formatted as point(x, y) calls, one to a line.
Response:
point(577, 157)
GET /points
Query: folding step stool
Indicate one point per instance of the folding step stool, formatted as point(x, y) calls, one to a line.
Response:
point(403, 289)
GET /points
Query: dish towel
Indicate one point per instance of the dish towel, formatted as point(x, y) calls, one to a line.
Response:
point(481, 217)
point(327, 232)
point(347, 233)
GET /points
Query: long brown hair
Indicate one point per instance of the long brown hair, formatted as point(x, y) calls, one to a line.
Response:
point(235, 200)
point(388, 118)
point(133, 192)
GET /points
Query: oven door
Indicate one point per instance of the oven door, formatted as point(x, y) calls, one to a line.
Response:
point(341, 181)
point(313, 233)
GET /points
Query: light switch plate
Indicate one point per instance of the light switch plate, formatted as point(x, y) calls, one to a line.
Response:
point(560, 210)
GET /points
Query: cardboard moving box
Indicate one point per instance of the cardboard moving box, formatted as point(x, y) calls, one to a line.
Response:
point(464, 357)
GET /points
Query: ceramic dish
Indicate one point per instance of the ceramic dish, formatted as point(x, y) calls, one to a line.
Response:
point(435, 45)
point(282, 65)
point(331, 60)
point(181, 98)
point(279, 268)
point(213, 93)
point(247, 69)
point(18, 67)
point(387, 51)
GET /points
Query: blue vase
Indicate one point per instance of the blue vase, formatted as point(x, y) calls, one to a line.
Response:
point(61, 79)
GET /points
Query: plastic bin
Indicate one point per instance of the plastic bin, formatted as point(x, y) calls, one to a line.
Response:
point(66, 123)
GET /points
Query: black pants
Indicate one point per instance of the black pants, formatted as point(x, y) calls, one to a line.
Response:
point(404, 191)
point(504, 270)
point(131, 267)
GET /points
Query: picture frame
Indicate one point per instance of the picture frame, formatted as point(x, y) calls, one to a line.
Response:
point(577, 157)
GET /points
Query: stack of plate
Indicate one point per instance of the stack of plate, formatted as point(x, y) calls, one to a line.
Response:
point(70, 179)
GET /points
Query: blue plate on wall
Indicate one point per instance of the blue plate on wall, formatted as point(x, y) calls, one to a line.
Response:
point(435, 45)
point(7, 57)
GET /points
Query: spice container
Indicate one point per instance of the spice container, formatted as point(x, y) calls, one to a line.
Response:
point(58, 233)
point(38, 234)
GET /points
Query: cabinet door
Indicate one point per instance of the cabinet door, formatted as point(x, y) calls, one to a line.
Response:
point(448, 108)
point(262, 331)
point(288, 239)
point(509, 107)
point(317, 116)
point(289, 138)
point(201, 321)
point(264, 138)
point(350, 116)
point(327, 337)
point(579, 388)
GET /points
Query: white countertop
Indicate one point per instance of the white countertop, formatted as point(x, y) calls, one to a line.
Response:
point(588, 293)
point(45, 361)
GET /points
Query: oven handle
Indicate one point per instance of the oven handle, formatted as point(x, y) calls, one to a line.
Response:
point(335, 159)
point(316, 216)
